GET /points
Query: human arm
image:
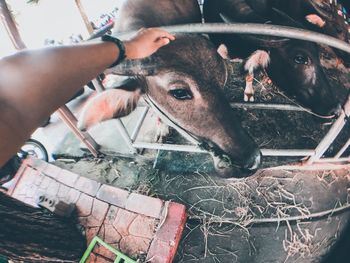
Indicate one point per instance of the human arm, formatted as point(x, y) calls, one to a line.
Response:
point(35, 83)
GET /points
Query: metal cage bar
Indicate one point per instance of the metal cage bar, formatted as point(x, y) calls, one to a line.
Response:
point(265, 106)
point(268, 30)
point(332, 134)
point(69, 119)
point(124, 133)
point(288, 32)
point(254, 29)
point(139, 124)
point(343, 149)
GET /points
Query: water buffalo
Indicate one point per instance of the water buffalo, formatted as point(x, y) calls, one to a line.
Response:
point(183, 80)
point(293, 65)
point(325, 16)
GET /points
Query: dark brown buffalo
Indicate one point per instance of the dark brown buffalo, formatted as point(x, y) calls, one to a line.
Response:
point(184, 81)
point(323, 16)
point(293, 65)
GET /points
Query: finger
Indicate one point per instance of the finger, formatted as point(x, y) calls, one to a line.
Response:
point(162, 41)
point(163, 33)
point(171, 37)
point(168, 35)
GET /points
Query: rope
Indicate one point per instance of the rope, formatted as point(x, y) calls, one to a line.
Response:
point(306, 110)
point(301, 107)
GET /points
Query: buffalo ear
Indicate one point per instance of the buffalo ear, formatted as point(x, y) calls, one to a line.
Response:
point(223, 51)
point(316, 20)
point(114, 103)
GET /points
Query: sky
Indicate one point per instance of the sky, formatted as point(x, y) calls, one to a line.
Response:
point(55, 19)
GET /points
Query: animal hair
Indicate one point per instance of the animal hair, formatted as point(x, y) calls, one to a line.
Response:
point(260, 58)
point(107, 105)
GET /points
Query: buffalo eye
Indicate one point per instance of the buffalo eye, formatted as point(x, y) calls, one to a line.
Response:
point(300, 59)
point(181, 94)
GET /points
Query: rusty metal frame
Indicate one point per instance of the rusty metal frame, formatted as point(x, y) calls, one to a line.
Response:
point(69, 119)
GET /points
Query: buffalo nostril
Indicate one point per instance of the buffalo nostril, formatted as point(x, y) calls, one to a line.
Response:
point(223, 164)
point(254, 162)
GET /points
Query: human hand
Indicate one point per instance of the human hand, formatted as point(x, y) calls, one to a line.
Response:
point(146, 42)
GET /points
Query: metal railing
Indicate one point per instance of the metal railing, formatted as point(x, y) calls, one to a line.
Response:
point(314, 155)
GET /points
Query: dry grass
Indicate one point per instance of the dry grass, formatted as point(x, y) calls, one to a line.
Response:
point(299, 243)
point(260, 201)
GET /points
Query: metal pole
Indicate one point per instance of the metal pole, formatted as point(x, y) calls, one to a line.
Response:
point(124, 133)
point(103, 30)
point(265, 106)
point(69, 119)
point(169, 147)
point(254, 29)
point(343, 149)
point(196, 149)
point(139, 124)
point(332, 134)
point(314, 167)
point(288, 152)
point(333, 160)
point(261, 29)
point(97, 84)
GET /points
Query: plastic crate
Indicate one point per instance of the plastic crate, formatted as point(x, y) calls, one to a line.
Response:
point(120, 257)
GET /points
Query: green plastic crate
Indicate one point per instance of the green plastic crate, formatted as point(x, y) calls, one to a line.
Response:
point(120, 257)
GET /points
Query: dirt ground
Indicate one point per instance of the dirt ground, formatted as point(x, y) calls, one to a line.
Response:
point(245, 220)
point(240, 220)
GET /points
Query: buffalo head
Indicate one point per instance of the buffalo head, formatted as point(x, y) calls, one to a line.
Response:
point(326, 17)
point(184, 81)
point(294, 66)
